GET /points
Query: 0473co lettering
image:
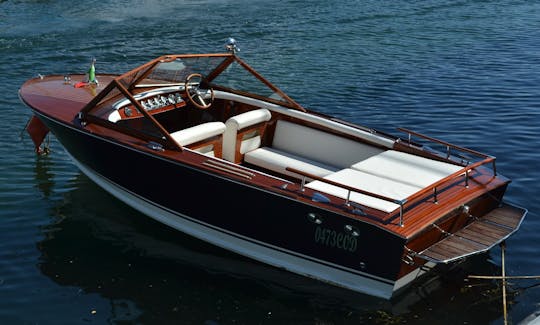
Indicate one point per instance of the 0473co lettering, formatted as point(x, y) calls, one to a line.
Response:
point(335, 239)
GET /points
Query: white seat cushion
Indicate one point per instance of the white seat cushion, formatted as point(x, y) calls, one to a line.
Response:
point(115, 116)
point(276, 160)
point(251, 142)
point(198, 133)
point(246, 119)
point(406, 168)
point(366, 182)
point(320, 146)
point(371, 137)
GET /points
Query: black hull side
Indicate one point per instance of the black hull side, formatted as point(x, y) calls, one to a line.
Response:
point(240, 210)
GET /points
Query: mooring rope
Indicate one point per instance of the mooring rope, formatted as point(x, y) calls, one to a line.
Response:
point(504, 278)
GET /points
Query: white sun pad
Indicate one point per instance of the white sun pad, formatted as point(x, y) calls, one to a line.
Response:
point(366, 182)
point(406, 168)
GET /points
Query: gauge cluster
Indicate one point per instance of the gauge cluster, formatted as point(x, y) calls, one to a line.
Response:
point(161, 101)
point(155, 103)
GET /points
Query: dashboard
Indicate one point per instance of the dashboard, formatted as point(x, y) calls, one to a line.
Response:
point(154, 101)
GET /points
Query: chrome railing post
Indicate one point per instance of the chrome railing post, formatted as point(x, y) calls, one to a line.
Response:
point(401, 215)
point(401, 203)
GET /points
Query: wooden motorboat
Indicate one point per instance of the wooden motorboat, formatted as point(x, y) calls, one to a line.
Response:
point(206, 145)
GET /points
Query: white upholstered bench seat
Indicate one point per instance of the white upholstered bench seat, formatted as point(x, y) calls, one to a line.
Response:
point(393, 174)
point(277, 161)
point(317, 145)
point(310, 150)
point(366, 182)
point(406, 168)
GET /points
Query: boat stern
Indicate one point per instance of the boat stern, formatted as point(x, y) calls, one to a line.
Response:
point(460, 236)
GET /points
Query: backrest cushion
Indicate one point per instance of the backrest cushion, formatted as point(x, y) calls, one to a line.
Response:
point(320, 146)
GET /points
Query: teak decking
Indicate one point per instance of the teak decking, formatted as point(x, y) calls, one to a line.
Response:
point(480, 235)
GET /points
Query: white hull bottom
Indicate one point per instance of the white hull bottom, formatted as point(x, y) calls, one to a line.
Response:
point(291, 261)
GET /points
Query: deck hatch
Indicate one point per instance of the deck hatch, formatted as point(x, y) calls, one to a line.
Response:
point(478, 236)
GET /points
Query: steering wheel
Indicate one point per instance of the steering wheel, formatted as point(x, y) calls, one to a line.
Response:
point(201, 98)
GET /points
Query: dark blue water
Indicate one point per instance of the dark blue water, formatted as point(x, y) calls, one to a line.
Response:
point(464, 71)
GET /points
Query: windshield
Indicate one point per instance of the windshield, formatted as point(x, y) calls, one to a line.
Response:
point(177, 70)
point(161, 83)
point(226, 73)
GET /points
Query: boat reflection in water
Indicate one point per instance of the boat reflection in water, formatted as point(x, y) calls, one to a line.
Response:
point(206, 145)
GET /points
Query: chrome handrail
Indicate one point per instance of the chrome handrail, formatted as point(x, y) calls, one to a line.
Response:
point(487, 158)
point(349, 189)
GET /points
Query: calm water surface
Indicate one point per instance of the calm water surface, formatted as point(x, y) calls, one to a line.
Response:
point(464, 71)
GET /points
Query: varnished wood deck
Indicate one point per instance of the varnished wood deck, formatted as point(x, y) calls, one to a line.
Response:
point(54, 97)
point(478, 236)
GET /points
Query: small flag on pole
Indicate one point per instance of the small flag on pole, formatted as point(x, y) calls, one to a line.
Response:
point(92, 72)
point(90, 76)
